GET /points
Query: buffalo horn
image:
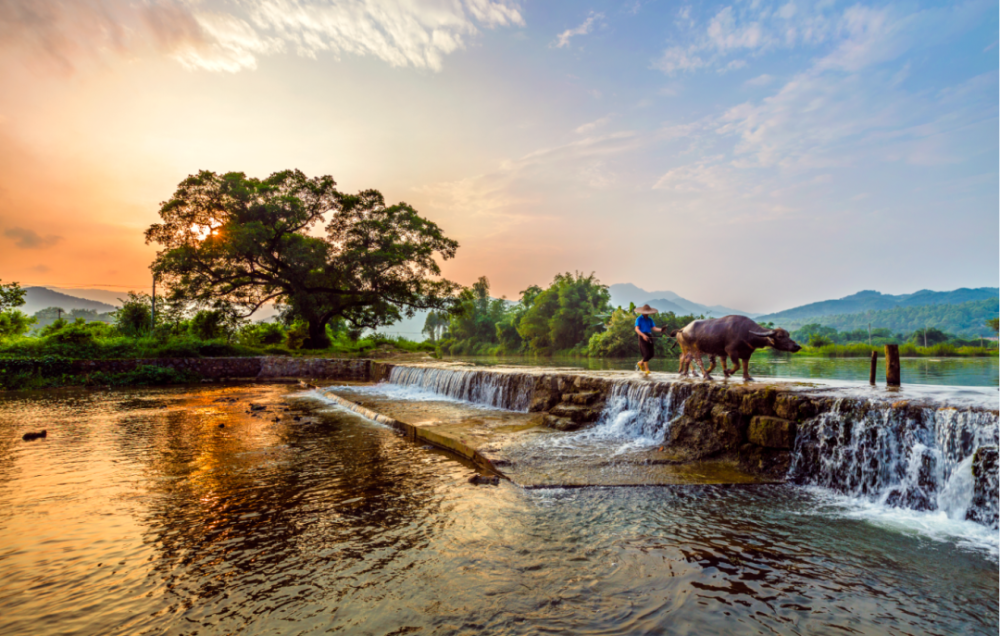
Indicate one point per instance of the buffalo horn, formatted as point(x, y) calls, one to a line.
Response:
point(764, 334)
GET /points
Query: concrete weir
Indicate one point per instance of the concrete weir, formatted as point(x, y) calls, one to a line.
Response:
point(545, 427)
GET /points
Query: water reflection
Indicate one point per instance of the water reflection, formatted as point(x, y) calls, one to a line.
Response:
point(140, 514)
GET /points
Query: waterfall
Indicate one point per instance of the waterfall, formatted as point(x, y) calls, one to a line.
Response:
point(905, 457)
point(637, 411)
point(511, 391)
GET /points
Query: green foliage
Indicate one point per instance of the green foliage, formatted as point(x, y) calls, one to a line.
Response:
point(134, 318)
point(14, 323)
point(967, 318)
point(474, 318)
point(994, 324)
point(212, 324)
point(927, 337)
point(619, 339)
point(249, 241)
point(907, 350)
point(817, 340)
point(262, 333)
point(565, 315)
point(52, 371)
point(296, 337)
point(11, 296)
point(77, 332)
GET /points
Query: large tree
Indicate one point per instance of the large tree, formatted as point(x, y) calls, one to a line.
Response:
point(251, 241)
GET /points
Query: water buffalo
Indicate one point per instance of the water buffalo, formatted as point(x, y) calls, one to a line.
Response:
point(733, 337)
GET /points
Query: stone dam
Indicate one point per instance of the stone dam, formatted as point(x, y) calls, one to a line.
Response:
point(919, 448)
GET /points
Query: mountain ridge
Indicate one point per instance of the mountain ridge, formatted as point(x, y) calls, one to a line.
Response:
point(870, 300)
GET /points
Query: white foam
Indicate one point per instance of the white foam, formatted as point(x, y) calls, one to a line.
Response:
point(408, 393)
point(936, 525)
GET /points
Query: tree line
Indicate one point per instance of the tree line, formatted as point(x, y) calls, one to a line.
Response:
point(572, 316)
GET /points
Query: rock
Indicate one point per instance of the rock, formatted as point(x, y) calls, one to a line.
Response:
point(794, 407)
point(984, 506)
point(693, 439)
point(579, 414)
point(730, 425)
point(584, 398)
point(297, 418)
point(28, 437)
point(561, 423)
point(484, 480)
point(258, 407)
point(222, 426)
point(767, 462)
point(772, 432)
point(759, 402)
point(542, 401)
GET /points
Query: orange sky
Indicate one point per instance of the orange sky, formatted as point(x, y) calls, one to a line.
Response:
point(701, 150)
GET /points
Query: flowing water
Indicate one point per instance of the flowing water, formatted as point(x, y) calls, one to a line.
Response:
point(182, 511)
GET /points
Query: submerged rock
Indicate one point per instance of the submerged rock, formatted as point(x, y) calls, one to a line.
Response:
point(484, 480)
point(31, 436)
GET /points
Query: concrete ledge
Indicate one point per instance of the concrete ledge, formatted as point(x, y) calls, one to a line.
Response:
point(453, 445)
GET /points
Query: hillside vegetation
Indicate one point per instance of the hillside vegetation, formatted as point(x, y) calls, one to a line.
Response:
point(873, 301)
point(965, 319)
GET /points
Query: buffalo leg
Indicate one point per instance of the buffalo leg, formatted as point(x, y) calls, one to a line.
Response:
point(746, 370)
point(711, 365)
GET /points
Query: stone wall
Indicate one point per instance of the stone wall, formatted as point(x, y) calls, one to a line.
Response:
point(257, 368)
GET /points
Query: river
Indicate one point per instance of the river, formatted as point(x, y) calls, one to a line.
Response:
point(181, 511)
point(924, 371)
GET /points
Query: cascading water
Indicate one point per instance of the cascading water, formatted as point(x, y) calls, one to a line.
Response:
point(916, 458)
point(636, 412)
point(511, 391)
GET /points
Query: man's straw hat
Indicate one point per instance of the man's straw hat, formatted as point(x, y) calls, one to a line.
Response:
point(646, 309)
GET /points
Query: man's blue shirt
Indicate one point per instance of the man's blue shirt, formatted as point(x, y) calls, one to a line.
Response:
point(645, 323)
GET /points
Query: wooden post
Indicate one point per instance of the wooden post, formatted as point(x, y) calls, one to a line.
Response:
point(871, 374)
point(892, 365)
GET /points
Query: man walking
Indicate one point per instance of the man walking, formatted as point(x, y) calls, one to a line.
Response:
point(644, 327)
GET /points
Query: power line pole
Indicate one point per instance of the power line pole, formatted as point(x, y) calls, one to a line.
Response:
point(869, 334)
point(152, 313)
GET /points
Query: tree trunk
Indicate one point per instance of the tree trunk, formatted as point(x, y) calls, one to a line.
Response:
point(317, 335)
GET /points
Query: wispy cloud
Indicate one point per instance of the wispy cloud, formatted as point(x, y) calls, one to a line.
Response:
point(593, 125)
point(418, 34)
point(562, 40)
point(29, 239)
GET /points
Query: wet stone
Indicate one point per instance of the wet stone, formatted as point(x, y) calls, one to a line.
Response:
point(561, 423)
point(579, 414)
point(772, 432)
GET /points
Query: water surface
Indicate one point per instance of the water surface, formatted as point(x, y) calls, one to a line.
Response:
point(763, 365)
point(140, 515)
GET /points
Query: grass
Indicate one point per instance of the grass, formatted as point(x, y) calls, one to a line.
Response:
point(908, 350)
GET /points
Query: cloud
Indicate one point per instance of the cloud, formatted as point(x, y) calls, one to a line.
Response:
point(562, 40)
point(590, 126)
point(760, 80)
point(29, 239)
point(418, 33)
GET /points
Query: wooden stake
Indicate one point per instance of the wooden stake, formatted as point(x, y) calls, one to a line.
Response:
point(871, 374)
point(892, 365)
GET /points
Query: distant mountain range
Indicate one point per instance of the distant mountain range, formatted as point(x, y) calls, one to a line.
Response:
point(38, 298)
point(624, 293)
point(866, 301)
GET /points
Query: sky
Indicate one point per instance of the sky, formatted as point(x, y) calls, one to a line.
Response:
point(759, 155)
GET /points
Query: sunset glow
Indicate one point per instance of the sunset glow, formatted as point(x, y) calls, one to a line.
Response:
point(757, 155)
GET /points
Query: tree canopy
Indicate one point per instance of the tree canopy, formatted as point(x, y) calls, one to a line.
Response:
point(248, 241)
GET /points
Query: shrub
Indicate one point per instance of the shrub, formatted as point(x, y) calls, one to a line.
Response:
point(134, 318)
point(14, 323)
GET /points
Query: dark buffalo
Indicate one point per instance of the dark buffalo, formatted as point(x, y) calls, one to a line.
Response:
point(732, 337)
